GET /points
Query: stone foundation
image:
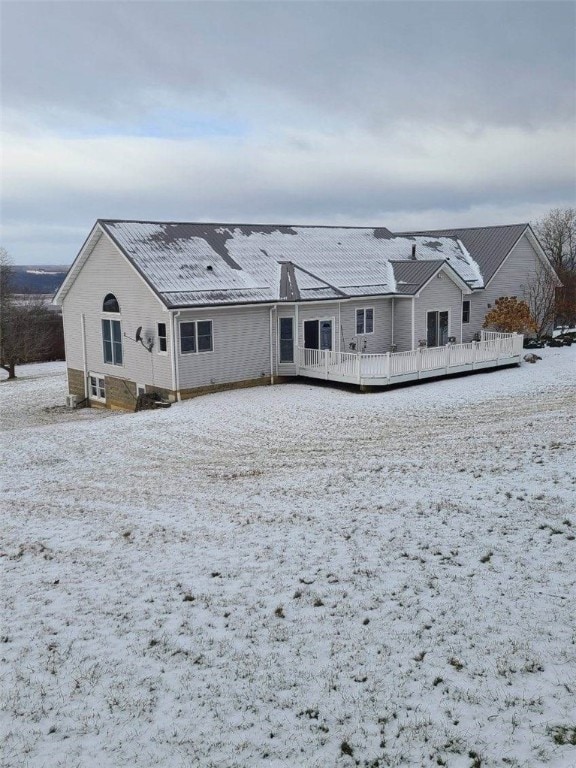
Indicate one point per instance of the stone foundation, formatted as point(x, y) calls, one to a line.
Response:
point(165, 394)
point(76, 382)
point(120, 393)
point(186, 394)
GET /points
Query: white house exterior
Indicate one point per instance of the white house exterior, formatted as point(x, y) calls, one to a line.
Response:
point(183, 309)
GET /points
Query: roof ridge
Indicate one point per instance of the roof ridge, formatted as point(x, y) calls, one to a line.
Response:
point(246, 224)
point(462, 229)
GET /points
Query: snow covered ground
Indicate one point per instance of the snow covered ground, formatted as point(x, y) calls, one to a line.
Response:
point(293, 576)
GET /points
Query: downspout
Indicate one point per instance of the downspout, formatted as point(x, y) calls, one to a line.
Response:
point(392, 322)
point(461, 317)
point(175, 367)
point(84, 354)
point(339, 326)
point(413, 330)
point(272, 343)
point(297, 355)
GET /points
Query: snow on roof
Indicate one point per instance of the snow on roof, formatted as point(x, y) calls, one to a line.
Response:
point(490, 245)
point(194, 264)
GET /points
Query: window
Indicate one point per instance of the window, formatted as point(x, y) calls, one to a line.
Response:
point(111, 332)
point(286, 340)
point(364, 321)
point(318, 334)
point(162, 341)
point(437, 328)
point(112, 341)
point(465, 311)
point(97, 388)
point(204, 331)
point(196, 337)
point(110, 304)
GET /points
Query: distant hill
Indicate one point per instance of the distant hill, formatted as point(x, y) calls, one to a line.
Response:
point(36, 279)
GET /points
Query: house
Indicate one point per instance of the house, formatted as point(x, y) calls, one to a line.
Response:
point(187, 308)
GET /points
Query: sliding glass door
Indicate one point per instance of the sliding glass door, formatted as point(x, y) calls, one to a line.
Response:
point(437, 328)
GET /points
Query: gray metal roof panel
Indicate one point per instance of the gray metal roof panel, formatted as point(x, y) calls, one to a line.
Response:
point(177, 299)
point(412, 275)
point(217, 263)
point(488, 246)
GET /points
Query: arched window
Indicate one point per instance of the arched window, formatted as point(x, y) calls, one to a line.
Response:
point(110, 303)
point(112, 332)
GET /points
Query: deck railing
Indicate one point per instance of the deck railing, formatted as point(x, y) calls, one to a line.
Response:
point(356, 367)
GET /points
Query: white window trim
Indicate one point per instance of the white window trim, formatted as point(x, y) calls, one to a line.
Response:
point(196, 351)
point(113, 316)
point(321, 320)
point(446, 309)
point(163, 352)
point(364, 332)
point(294, 345)
point(99, 377)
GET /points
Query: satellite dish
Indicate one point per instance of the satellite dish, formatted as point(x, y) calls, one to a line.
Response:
point(139, 333)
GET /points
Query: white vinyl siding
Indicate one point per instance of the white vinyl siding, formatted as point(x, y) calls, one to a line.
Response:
point(510, 280)
point(107, 271)
point(241, 347)
point(403, 324)
point(440, 295)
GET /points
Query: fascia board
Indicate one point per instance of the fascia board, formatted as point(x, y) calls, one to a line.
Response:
point(452, 275)
point(74, 270)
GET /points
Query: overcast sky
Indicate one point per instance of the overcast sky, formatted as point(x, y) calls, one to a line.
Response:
point(397, 114)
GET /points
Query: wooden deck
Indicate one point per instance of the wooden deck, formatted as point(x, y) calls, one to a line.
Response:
point(494, 350)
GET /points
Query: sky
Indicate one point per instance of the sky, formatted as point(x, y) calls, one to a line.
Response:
point(408, 115)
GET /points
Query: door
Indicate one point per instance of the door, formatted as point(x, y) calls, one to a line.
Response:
point(317, 336)
point(325, 334)
point(311, 334)
point(437, 328)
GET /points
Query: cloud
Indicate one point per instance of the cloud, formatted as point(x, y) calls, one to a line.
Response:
point(347, 112)
point(294, 178)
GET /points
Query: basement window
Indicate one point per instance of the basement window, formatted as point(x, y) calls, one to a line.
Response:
point(97, 388)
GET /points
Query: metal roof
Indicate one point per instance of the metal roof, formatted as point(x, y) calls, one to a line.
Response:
point(189, 264)
point(489, 245)
point(412, 275)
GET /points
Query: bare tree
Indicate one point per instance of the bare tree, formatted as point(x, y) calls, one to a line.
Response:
point(24, 322)
point(541, 296)
point(557, 235)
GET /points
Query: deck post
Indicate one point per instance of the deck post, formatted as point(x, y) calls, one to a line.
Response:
point(447, 360)
point(388, 367)
point(474, 348)
point(418, 361)
point(326, 364)
point(359, 367)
